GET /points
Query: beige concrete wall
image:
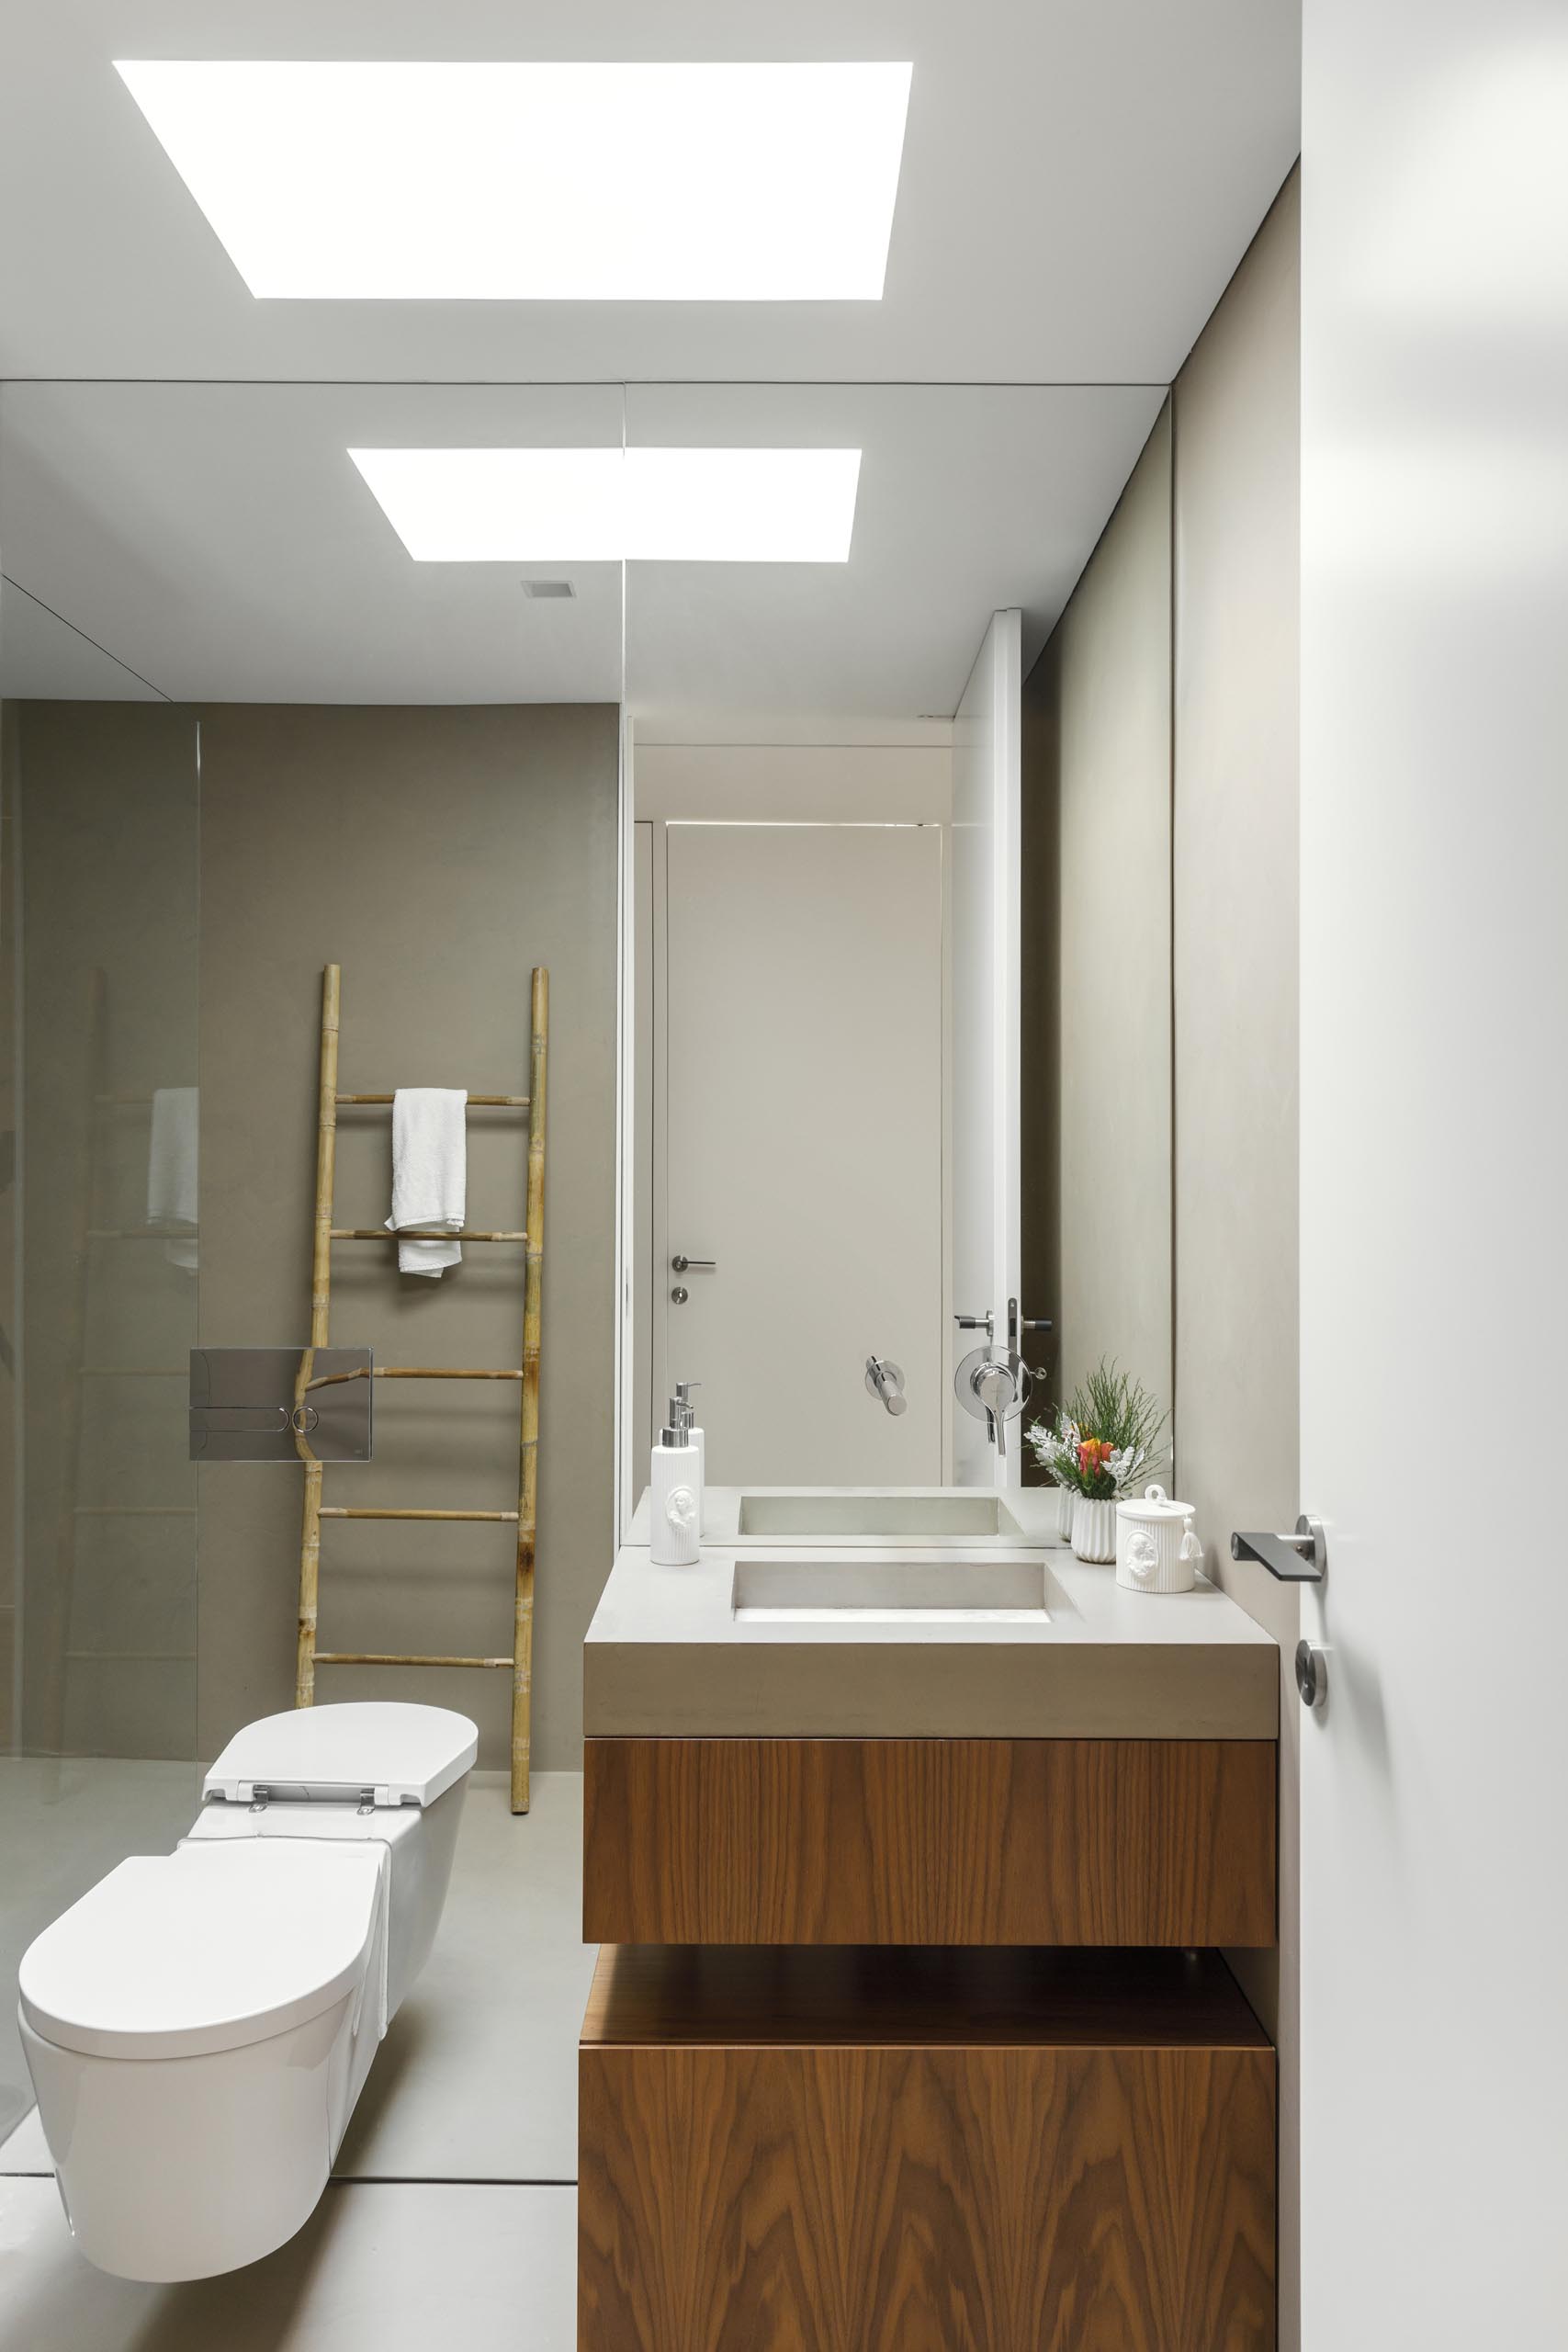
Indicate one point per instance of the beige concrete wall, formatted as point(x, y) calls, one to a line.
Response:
point(1097, 952)
point(1235, 869)
point(437, 854)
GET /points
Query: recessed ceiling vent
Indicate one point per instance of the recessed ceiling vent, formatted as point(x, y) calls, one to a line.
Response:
point(553, 588)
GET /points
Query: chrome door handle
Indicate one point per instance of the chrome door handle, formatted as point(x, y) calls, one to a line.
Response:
point(986, 1323)
point(685, 1265)
point(1017, 1323)
point(1301, 1558)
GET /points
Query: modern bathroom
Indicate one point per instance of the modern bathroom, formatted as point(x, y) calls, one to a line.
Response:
point(756, 1031)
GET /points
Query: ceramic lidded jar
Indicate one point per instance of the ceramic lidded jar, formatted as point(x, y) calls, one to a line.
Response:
point(1156, 1550)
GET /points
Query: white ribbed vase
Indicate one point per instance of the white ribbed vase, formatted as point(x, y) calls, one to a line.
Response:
point(1066, 1499)
point(1094, 1529)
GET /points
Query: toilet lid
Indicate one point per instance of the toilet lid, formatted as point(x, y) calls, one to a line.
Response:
point(215, 1946)
point(404, 1755)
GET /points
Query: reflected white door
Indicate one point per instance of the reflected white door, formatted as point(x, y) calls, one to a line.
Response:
point(987, 1244)
point(803, 1147)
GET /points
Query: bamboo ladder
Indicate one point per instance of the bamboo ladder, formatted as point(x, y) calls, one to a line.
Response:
point(525, 1516)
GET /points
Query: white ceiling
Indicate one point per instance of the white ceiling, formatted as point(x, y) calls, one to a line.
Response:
point(1081, 178)
point(218, 540)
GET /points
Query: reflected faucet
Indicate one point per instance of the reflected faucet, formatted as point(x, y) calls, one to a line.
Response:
point(995, 1386)
point(993, 1383)
point(884, 1379)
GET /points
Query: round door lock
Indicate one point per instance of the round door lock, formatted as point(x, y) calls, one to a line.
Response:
point(680, 1295)
point(1312, 1674)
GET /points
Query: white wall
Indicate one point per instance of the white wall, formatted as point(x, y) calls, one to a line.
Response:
point(1434, 1143)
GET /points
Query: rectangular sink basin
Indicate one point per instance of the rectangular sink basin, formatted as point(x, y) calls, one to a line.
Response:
point(932, 1591)
point(930, 1518)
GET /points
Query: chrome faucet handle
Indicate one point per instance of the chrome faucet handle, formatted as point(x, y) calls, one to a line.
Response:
point(994, 1385)
point(885, 1379)
point(996, 1389)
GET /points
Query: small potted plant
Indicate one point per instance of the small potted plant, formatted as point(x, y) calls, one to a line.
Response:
point(1107, 1438)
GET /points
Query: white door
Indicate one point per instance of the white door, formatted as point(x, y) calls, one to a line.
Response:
point(1434, 1202)
point(986, 1233)
point(803, 1147)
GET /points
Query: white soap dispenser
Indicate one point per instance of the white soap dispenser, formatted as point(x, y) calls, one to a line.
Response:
point(685, 1416)
point(672, 1499)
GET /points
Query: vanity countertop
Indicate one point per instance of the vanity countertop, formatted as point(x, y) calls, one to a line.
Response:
point(668, 1655)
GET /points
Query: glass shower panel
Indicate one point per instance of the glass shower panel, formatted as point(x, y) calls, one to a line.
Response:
point(103, 901)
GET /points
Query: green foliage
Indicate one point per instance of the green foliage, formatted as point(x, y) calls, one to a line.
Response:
point(1108, 1437)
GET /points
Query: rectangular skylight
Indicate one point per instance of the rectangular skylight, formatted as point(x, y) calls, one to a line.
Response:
point(541, 183)
point(603, 505)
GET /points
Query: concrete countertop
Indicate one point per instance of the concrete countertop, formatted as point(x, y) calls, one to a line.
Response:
point(667, 1656)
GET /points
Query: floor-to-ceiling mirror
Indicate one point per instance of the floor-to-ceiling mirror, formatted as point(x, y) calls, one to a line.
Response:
point(812, 698)
point(898, 1016)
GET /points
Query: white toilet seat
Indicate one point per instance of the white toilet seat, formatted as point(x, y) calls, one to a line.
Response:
point(385, 1750)
point(219, 1945)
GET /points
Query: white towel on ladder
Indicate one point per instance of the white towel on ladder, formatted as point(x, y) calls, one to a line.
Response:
point(429, 1173)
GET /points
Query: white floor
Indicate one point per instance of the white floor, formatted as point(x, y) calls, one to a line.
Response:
point(452, 2212)
point(388, 2266)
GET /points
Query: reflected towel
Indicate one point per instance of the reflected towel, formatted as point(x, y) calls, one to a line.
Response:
point(429, 1173)
point(172, 1150)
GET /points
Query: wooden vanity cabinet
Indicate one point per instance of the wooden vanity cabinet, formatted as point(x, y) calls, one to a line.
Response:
point(840, 2151)
point(920, 2045)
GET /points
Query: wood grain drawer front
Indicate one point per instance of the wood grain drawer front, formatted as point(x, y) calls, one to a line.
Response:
point(961, 1841)
point(926, 2200)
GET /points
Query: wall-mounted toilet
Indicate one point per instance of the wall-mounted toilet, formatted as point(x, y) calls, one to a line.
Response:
point(200, 2024)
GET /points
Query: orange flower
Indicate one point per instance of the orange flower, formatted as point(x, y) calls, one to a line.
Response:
point(1092, 1454)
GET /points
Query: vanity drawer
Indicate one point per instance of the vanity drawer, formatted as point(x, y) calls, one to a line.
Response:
point(868, 2152)
point(929, 1841)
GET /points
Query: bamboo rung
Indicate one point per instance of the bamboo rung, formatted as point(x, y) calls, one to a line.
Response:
point(411, 1372)
point(414, 1233)
point(338, 1510)
point(476, 1102)
point(392, 1657)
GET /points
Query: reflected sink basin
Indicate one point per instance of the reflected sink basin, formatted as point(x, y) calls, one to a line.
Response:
point(872, 1518)
point(891, 1591)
